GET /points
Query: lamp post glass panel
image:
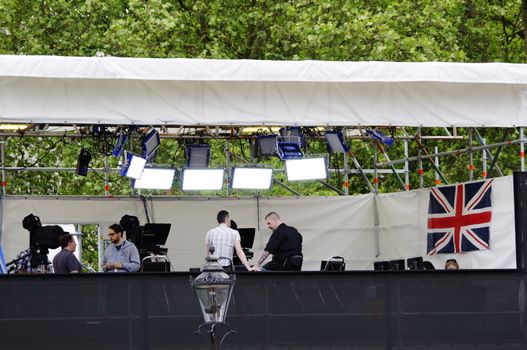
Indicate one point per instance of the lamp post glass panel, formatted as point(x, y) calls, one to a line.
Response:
point(213, 289)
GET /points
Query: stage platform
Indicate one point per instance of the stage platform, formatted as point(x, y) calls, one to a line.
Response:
point(305, 310)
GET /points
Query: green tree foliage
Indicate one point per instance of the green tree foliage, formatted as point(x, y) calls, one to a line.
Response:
point(391, 30)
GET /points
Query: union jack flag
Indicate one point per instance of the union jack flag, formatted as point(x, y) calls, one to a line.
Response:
point(459, 218)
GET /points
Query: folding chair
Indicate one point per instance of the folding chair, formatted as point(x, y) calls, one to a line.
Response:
point(335, 263)
point(155, 263)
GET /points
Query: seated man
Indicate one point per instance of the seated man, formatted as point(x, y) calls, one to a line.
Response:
point(225, 240)
point(285, 244)
point(65, 261)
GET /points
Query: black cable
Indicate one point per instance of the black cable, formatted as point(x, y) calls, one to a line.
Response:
point(143, 199)
point(62, 139)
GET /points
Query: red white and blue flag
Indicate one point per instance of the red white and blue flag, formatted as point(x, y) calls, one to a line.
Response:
point(459, 218)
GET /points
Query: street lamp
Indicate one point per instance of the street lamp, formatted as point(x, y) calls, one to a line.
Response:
point(213, 289)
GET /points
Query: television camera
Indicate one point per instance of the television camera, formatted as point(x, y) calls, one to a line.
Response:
point(41, 239)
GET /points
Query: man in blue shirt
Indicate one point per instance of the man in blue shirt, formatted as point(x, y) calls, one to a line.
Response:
point(121, 255)
point(65, 261)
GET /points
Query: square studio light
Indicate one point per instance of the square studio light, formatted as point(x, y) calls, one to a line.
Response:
point(156, 179)
point(150, 145)
point(202, 179)
point(133, 166)
point(198, 156)
point(266, 145)
point(336, 142)
point(306, 169)
point(252, 178)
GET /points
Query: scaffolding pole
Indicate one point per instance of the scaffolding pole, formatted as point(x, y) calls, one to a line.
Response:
point(228, 167)
point(470, 156)
point(359, 168)
point(406, 167)
point(487, 151)
point(447, 153)
point(484, 160)
point(522, 150)
point(505, 135)
point(419, 154)
point(2, 154)
point(438, 181)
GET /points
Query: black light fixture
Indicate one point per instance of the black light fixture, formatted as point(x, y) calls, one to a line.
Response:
point(336, 142)
point(213, 288)
point(150, 145)
point(266, 145)
point(198, 155)
point(83, 162)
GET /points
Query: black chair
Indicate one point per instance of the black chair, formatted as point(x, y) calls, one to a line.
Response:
point(335, 263)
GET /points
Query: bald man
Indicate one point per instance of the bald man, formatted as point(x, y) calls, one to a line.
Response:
point(285, 244)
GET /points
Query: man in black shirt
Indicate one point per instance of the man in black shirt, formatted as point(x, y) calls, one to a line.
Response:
point(285, 244)
point(65, 261)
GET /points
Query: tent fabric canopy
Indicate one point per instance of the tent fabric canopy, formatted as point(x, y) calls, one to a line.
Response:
point(191, 92)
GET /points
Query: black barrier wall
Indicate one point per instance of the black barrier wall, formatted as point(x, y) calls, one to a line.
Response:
point(307, 310)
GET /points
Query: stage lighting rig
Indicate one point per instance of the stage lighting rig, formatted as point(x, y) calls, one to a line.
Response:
point(306, 169)
point(336, 142)
point(155, 178)
point(198, 155)
point(133, 166)
point(150, 145)
point(83, 162)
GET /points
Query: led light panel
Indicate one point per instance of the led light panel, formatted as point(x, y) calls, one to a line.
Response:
point(306, 169)
point(156, 178)
point(202, 179)
point(252, 178)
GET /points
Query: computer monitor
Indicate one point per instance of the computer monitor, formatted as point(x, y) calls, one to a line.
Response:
point(415, 263)
point(396, 265)
point(155, 234)
point(381, 265)
point(247, 237)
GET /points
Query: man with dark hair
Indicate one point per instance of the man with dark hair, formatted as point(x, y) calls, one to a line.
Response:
point(285, 244)
point(225, 240)
point(121, 255)
point(65, 261)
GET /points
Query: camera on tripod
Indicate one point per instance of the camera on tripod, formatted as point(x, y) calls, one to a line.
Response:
point(41, 239)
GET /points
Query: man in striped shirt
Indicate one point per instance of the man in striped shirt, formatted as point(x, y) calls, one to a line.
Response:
point(225, 240)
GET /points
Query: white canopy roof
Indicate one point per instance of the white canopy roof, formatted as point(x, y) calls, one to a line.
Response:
point(118, 91)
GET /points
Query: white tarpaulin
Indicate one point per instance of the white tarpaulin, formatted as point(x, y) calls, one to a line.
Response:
point(331, 226)
point(117, 91)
